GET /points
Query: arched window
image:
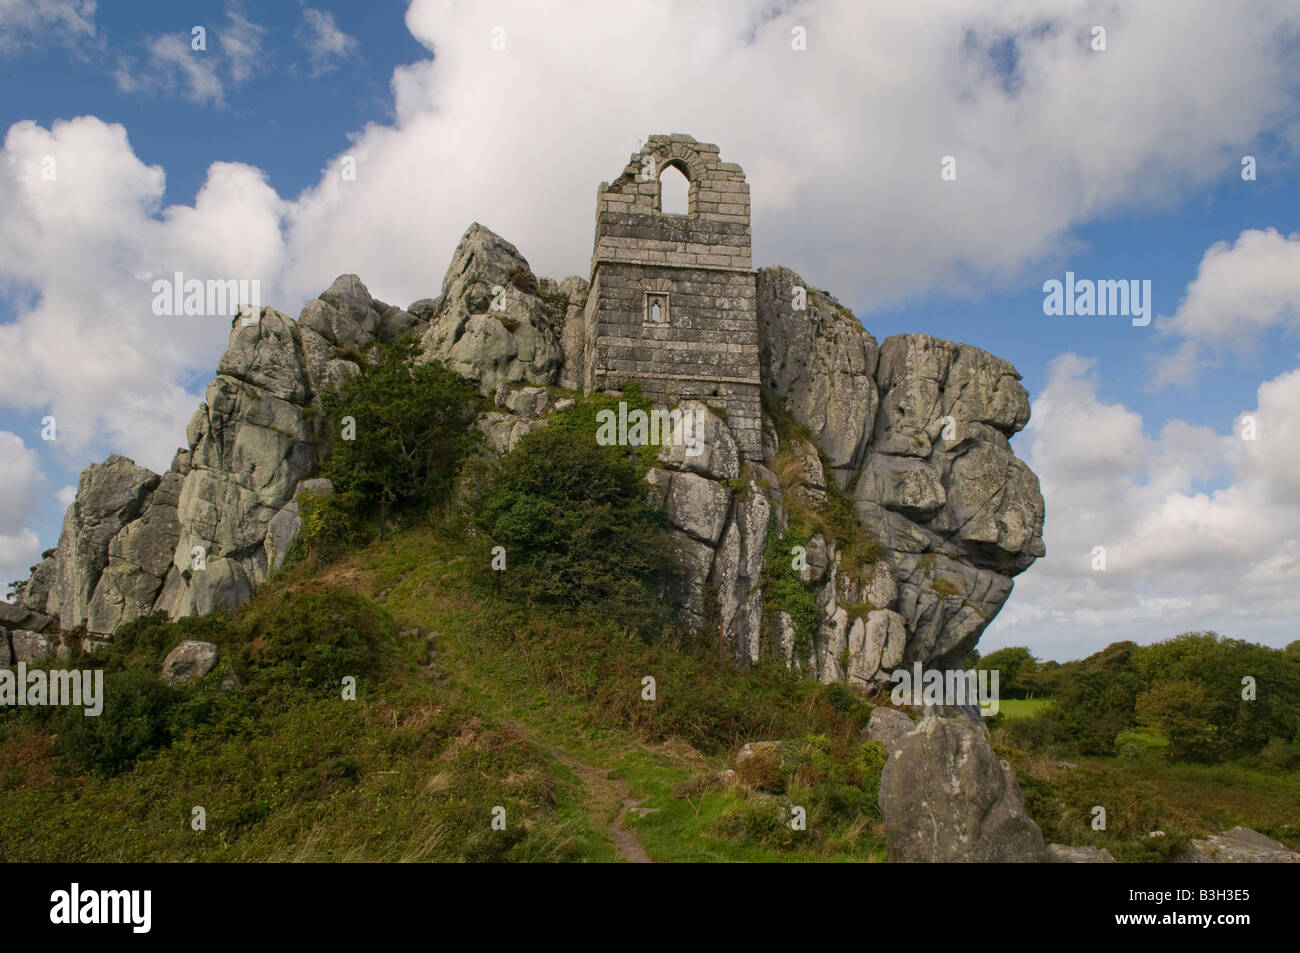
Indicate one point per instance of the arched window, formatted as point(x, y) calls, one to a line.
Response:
point(674, 191)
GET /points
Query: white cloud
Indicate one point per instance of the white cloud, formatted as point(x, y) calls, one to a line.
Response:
point(173, 66)
point(841, 142)
point(90, 351)
point(241, 43)
point(67, 495)
point(25, 24)
point(20, 475)
point(1241, 290)
point(325, 43)
point(1179, 556)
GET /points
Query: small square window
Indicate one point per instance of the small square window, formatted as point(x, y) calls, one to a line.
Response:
point(656, 310)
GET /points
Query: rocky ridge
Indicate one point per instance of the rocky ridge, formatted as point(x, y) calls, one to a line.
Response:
point(911, 436)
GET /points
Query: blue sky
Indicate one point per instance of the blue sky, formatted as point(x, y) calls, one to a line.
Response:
point(1122, 163)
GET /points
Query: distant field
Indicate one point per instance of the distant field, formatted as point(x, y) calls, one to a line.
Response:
point(1021, 707)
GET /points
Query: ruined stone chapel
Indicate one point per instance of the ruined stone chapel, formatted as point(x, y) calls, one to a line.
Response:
point(673, 299)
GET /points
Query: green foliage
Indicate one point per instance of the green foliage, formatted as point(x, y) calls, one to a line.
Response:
point(581, 419)
point(313, 639)
point(577, 529)
point(1036, 733)
point(1013, 663)
point(331, 526)
point(1189, 689)
point(1177, 710)
point(412, 431)
point(1098, 701)
point(784, 591)
point(135, 721)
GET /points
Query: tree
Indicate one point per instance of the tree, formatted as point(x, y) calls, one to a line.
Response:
point(411, 431)
point(1096, 696)
point(1011, 663)
point(1177, 710)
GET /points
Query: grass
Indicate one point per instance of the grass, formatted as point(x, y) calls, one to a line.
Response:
point(541, 715)
point(1021, 707)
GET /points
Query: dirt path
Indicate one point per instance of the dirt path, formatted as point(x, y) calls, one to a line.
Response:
point(606, 792)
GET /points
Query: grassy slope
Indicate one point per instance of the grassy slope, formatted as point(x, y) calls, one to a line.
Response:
point(1022, 707)
point(492, 711)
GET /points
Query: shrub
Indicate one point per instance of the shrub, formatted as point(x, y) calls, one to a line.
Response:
point(1035, 733)
point(577, 529)
point(314, 638)
point(134, 722)
point(412, 431)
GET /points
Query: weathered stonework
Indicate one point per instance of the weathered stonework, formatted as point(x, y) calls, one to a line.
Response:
point(673, 299)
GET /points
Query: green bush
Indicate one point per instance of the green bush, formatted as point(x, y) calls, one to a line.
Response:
point(784, 591)
point(331, 525)
point(1035, 733)
point(313, 639)
point(577, 529)
point(412, 432)
point(134, 722)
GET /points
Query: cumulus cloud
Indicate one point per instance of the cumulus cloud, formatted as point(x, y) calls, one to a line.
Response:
point(25, 24)
point(325, 43)
point(1200, 528)
point(1242, 289)
point(86, 246)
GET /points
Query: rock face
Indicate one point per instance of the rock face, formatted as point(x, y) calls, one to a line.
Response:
point(945, 797)
point(208, 531)
point(490, 324)
point(910, 436)
point(917, 430)
point(1240, 845)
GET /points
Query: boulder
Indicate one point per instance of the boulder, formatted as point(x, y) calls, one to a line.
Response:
point(1061, 854)
point(34, 646)
point(574, 333)
point(109, 495)
point(18, 616)
point(139, 557)
point(698, 507)
point(888, 726)
point(946, 797)
point(1240, 845)
point(189, 660)
point(705, 447)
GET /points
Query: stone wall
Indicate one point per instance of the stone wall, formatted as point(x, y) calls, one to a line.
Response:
point(673, 300)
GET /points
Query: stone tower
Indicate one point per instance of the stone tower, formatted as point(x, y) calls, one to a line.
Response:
point(673, 300)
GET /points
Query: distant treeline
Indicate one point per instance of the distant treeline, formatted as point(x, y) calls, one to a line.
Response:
point(1211, 698)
